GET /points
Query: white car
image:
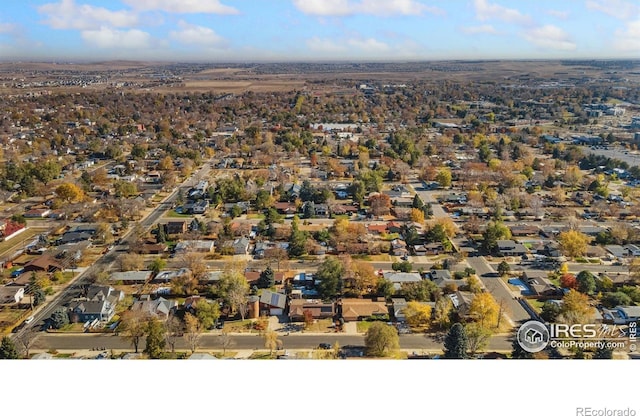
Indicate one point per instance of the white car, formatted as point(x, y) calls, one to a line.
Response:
point(28, 320)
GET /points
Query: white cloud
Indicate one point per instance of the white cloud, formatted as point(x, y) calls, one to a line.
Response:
point(108, 38)
point(628, 40)
point(319, 45)
point(371, 7)
point(560, 14)
point(182, 6)
point(368, 45)
point(348, 47)
point(196, 35)
point(620, 9)
point(8, 28)
point(493, 11)
point(473, 30)
point(69, 15)
point(550, 37)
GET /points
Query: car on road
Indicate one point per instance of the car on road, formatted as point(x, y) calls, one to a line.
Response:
point(28, 320)
point(324, 346)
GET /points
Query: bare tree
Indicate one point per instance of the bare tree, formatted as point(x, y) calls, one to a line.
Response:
point(26, 340)
point(193, 331)
point(174, 328)
point(133, 326)
point(225, 340)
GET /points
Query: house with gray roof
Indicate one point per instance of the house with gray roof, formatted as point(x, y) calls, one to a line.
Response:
point(398, 278)
point(272, 302)
point(131, 277)
point(160, 308)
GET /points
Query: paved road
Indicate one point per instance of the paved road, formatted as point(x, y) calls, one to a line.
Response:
point(498, 289)
point(63, 342)
point(74, 289)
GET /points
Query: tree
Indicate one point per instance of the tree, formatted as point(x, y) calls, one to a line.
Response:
point(225, 340)
point(517, 352)
point(477, 337)
point(575, 308)
point(573, 243)
point(550, 311)
point(59, 318)
point(131, 261)
point(484, 310)
point(26, 340)
point(504, 268)
point(473, 284)
point(442, 312)
point(417, 202)
point(271, 340)
point(417, 215)
point(418, 314)
point(455, 342)
point(207, 313)
point(568, 281)
point(364, 277)
point(330, 274)
point(161, 235)
point(8, 350)
point(586, 282)
point(157, 265)
point(267, 278)
point(38, 297)
point(495, 231)
point(69, 192)
point(193, 331)
point(173, 329)
point(381, 340)
point(133, 326)
point(380, 204)
point(613, 299)
point(155, 341)
point(233, 288)
point(444, 177)
point(603, 353)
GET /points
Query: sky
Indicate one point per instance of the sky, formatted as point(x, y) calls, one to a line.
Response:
point(317, 30)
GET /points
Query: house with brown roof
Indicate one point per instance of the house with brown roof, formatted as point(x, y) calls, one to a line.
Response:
point(319, 309)
point(176, 227)
point(358, 309)
point(43, 263)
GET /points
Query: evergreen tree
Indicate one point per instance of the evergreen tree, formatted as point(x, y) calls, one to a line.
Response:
point(59, 318)
point(161, 236)
point(267, 278)
point(417, 202)
point(8, 350)
point(455, 343)
point(518, 353)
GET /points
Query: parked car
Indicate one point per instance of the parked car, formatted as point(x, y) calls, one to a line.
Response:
point(324, 346)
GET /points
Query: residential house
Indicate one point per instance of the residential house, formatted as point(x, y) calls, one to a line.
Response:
point(199, 246)
point(358, 309)
point(511, 248)
point(43, 263)
point(167, 276)
point(399, 247)
point(524, 230)
point(131, 277)
point(97, 292)
point(539, 283)
point(197, 207)
point(11, 294)
point(239, 245)
point(429, 249)
point(159, 308)
point(461, 302)
point(285, 208)
point(318, 309)
point(398, 278)
point(621, 315)
point(91, 310)
point(176, 227)
point(398, 305)
point(273, 303)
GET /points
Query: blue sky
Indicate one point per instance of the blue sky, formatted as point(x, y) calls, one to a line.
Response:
point(303, 30)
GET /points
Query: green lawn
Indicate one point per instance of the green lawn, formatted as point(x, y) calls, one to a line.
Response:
point(174, 214)
point(255, 216)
